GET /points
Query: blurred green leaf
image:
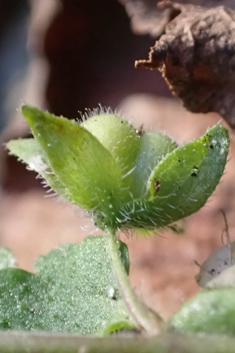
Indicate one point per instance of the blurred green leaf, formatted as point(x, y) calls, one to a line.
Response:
point(7, 259)
point(210, 311)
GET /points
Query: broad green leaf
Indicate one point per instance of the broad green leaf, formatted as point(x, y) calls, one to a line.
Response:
point(154, 146)
point(119, 137)
point(7, 259)
point(181, 183)
point(74, 290)
point(211, 311)
point(80, 162)
point(30, 152)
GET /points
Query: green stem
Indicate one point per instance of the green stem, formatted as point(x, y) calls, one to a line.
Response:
point(145, 319)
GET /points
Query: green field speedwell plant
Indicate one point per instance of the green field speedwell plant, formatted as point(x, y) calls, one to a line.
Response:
point(126, 180)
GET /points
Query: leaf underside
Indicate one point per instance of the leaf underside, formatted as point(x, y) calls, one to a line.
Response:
point(30, 152)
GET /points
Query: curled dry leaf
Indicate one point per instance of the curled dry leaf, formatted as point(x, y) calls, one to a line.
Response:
point(149, 18)
point(196, 56)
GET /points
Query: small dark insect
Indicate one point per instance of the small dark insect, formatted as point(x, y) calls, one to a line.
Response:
point(156, 186)
point(141, 130)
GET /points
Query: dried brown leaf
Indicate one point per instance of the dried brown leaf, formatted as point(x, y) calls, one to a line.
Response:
point(196, 56)
point(149, 18)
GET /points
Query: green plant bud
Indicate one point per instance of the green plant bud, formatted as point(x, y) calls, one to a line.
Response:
point(154, 146)
point(211, 311)
point(125, 179)
point(81, 163)
point(181, 183)
point(121, 139)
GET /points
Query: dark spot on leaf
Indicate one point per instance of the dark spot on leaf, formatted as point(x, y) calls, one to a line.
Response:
point(141, 130)
point(156, 186)
point(125, 331)
point(195, 170)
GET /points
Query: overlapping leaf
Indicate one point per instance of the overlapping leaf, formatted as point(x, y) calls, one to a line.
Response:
point(181, 183)
point(122, 140)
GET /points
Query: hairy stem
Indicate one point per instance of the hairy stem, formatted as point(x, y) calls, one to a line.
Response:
point(145, 319)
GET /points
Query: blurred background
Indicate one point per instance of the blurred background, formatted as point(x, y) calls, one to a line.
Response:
point(69, 55)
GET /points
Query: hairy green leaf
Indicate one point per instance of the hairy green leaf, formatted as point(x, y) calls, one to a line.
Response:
point(74, 290)
point(181, 183)
point(119, 137)
point(30, 152)
point(80, 162)
point(154, 146)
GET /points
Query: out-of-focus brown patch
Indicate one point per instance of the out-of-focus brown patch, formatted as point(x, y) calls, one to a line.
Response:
point(31, 225)
point(196, 56)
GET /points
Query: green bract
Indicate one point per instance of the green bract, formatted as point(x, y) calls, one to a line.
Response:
point(123, 178)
